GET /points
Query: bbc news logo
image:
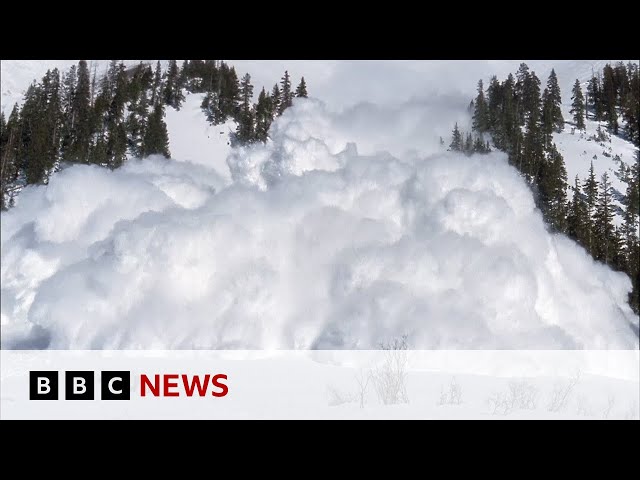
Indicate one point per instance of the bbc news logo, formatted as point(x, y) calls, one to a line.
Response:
point(116, 385)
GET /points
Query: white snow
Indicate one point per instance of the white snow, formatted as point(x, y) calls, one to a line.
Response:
point(325, 384)
point(352, 226)
point(193, 139)
point(314, 244)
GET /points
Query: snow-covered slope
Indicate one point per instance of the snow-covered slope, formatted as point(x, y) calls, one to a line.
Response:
point(352, 226)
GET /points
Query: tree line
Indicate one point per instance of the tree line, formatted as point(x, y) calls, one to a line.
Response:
point(82, 117)
point(521, 120)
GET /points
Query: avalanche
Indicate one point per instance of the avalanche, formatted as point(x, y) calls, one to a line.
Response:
point(344, 231)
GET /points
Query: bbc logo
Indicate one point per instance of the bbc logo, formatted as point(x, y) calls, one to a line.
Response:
point(80, 385)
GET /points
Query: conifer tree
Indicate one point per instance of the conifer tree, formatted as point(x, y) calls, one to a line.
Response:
point(156, 138)
point(173, 95)
point(81, 118)
point(553, 109)
point(456, 140)
point(479, 146)
point(136, 123)
point(533, 142)
point(468, 144)
point(631, 104)
point(7, 165)
point(263, 116)
point(577, 106)
point(509, 124)
point(301, 90)
point(245, 132)
point(481, 111)
point(591, 192)
point(522, 81)
point(276, 99)
point(608, 99)
point(229, 93)
point(594, 100)
point(9, 158)
point(606, 241)
point(286, 95)
point(494, 105)
point(531, 95)
point(552, 186)
point(577, 220)
point(67, 93)
point(156, 89)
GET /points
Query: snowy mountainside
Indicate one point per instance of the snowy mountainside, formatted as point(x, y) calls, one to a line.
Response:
point(352, 225)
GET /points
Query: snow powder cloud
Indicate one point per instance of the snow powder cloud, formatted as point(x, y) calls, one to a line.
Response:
point(346, 230)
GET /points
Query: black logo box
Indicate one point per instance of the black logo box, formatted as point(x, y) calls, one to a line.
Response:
point(79, 385)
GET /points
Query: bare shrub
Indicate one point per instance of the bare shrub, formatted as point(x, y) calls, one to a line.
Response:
point(611, 401)
point(452, 396)
point(582, 406)
point(520, 395)
point(633, 413)
point(362, 379)
point(523, 395)
point(500, 403)
point(561, 393)
point(389, 378)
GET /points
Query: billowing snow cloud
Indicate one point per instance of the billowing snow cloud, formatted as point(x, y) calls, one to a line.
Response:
point(346, 230)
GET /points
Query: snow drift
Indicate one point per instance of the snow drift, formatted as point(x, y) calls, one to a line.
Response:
point(346, 230)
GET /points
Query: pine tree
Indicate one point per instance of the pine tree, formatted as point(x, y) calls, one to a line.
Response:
point(594, 98)
point(509, 131)
point(555, 102)
point(53, 120)
point(609, 99)
point(229, 93)
point(136, 122)
point(5, 166)
point(156, 137)
point(632, 201)
point(531, 95)
point(533, 142)
point(468, 144)
point(301, 90)
point(67, 93)
point(34, 141)
point(81, 118)
point(577, 220)
point(156, 92)
point(577, 106)
point(552, 187)
point(479, 146)
point(631, 212)
point(245, 132)
point(276, 99)
point(173, 95)
point(10, 158)
point(591, 191)
point(456, 140)
point(494, 105)
point(263, 116)
point(522, 81)
point(631, 104)
point(481, 111)
point(286, 95)
point(604, 228)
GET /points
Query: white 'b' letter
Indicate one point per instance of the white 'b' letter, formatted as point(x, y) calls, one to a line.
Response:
point(79, 386)
point(43, 386)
